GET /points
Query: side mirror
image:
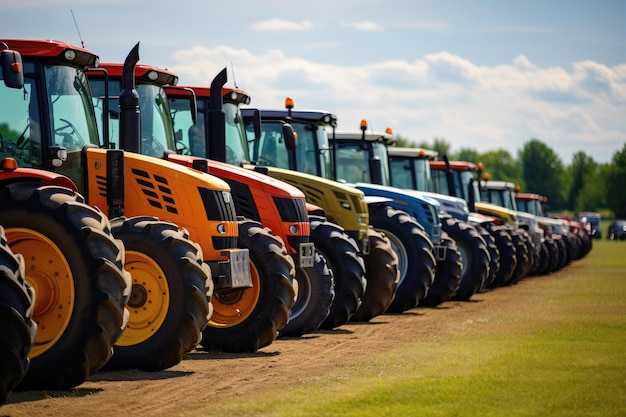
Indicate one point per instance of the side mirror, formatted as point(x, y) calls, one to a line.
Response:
point(290, 136)
point(376, 171)
point(12, 72)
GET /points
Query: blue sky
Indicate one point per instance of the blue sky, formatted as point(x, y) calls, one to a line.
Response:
point(480, 74)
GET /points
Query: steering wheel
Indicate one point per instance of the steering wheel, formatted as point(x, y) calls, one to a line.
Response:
point(68, 140)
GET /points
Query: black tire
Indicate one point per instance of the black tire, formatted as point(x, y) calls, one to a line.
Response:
point(170, 298)
point(494, 255)
point(315, 292)
point(79, 317)
point(543, 262)
point(342, 255)
point(508, 257)
point(571, 245)
point(533, 254)
point(586, 243)
point(447, 276)
point(577, 246)
point(524, 261)
point(563, 256)
point(16, 312)
point(245, 320)
point(382, 276)
point(474, 256)
point(553, 249)
point(415, 255)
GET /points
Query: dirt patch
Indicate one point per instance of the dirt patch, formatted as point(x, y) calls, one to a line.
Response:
point(204, 376)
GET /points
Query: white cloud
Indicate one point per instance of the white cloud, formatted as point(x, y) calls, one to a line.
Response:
point(440, 95)
point(280, 25)
point(365, 26)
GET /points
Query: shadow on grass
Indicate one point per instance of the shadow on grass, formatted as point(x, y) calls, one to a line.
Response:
point(136, 375)
point(17, 397)
point(211, 355)
point(84, 390)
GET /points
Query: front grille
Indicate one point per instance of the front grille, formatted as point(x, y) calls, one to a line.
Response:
point(244, 201)
point(156, 190)
point(291, 209)
point(429, 213)
point(216, 206)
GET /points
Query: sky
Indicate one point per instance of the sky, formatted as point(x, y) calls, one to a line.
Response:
point(484, 74)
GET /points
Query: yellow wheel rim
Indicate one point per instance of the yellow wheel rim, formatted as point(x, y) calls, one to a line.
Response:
point(48, 272)
point(231, 308)
point(149, 299)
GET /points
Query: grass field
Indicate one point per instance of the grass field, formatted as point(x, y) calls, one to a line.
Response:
point(558, 349)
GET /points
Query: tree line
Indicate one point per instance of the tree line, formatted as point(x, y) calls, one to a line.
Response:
point(584, 185)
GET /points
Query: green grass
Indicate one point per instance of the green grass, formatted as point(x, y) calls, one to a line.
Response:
point(558, 352)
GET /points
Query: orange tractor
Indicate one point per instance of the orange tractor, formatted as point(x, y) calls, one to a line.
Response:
point(245, 318)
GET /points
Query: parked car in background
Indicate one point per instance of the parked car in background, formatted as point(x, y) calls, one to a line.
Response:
point(592, 219)
point(617, 230)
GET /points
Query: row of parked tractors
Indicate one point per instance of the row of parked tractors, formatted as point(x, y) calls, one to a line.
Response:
point(142, 219)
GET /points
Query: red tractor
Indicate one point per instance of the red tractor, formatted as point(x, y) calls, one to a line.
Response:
point(69, 255)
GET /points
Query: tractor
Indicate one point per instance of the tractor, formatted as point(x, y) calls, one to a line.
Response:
point(244, 319)
point(170, 283)
point(71, 259)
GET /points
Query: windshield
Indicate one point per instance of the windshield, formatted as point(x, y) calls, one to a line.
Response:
point(410, 173)
point(191, 139)
point(269, 149)
point(380, 153)
point(523, 205)
point(157, 133)
point(236, 140)
point(357, 159)
point(353, 162)
point(73, 124)
point(509, 200)
point(493, 197)
point(535, 207)
point(500, 197)
point(23, 125)
point(313, 154)
point(462, 189)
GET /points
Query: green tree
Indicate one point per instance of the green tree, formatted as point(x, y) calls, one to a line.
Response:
point(543, 172)
point(501, 166)
point(468, 154)
point(615, 180)
point(402, 142)
point(582, 170)
point(592, 196)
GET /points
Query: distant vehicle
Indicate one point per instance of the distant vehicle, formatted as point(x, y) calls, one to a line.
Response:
point(592, 219)
point(617, 230)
